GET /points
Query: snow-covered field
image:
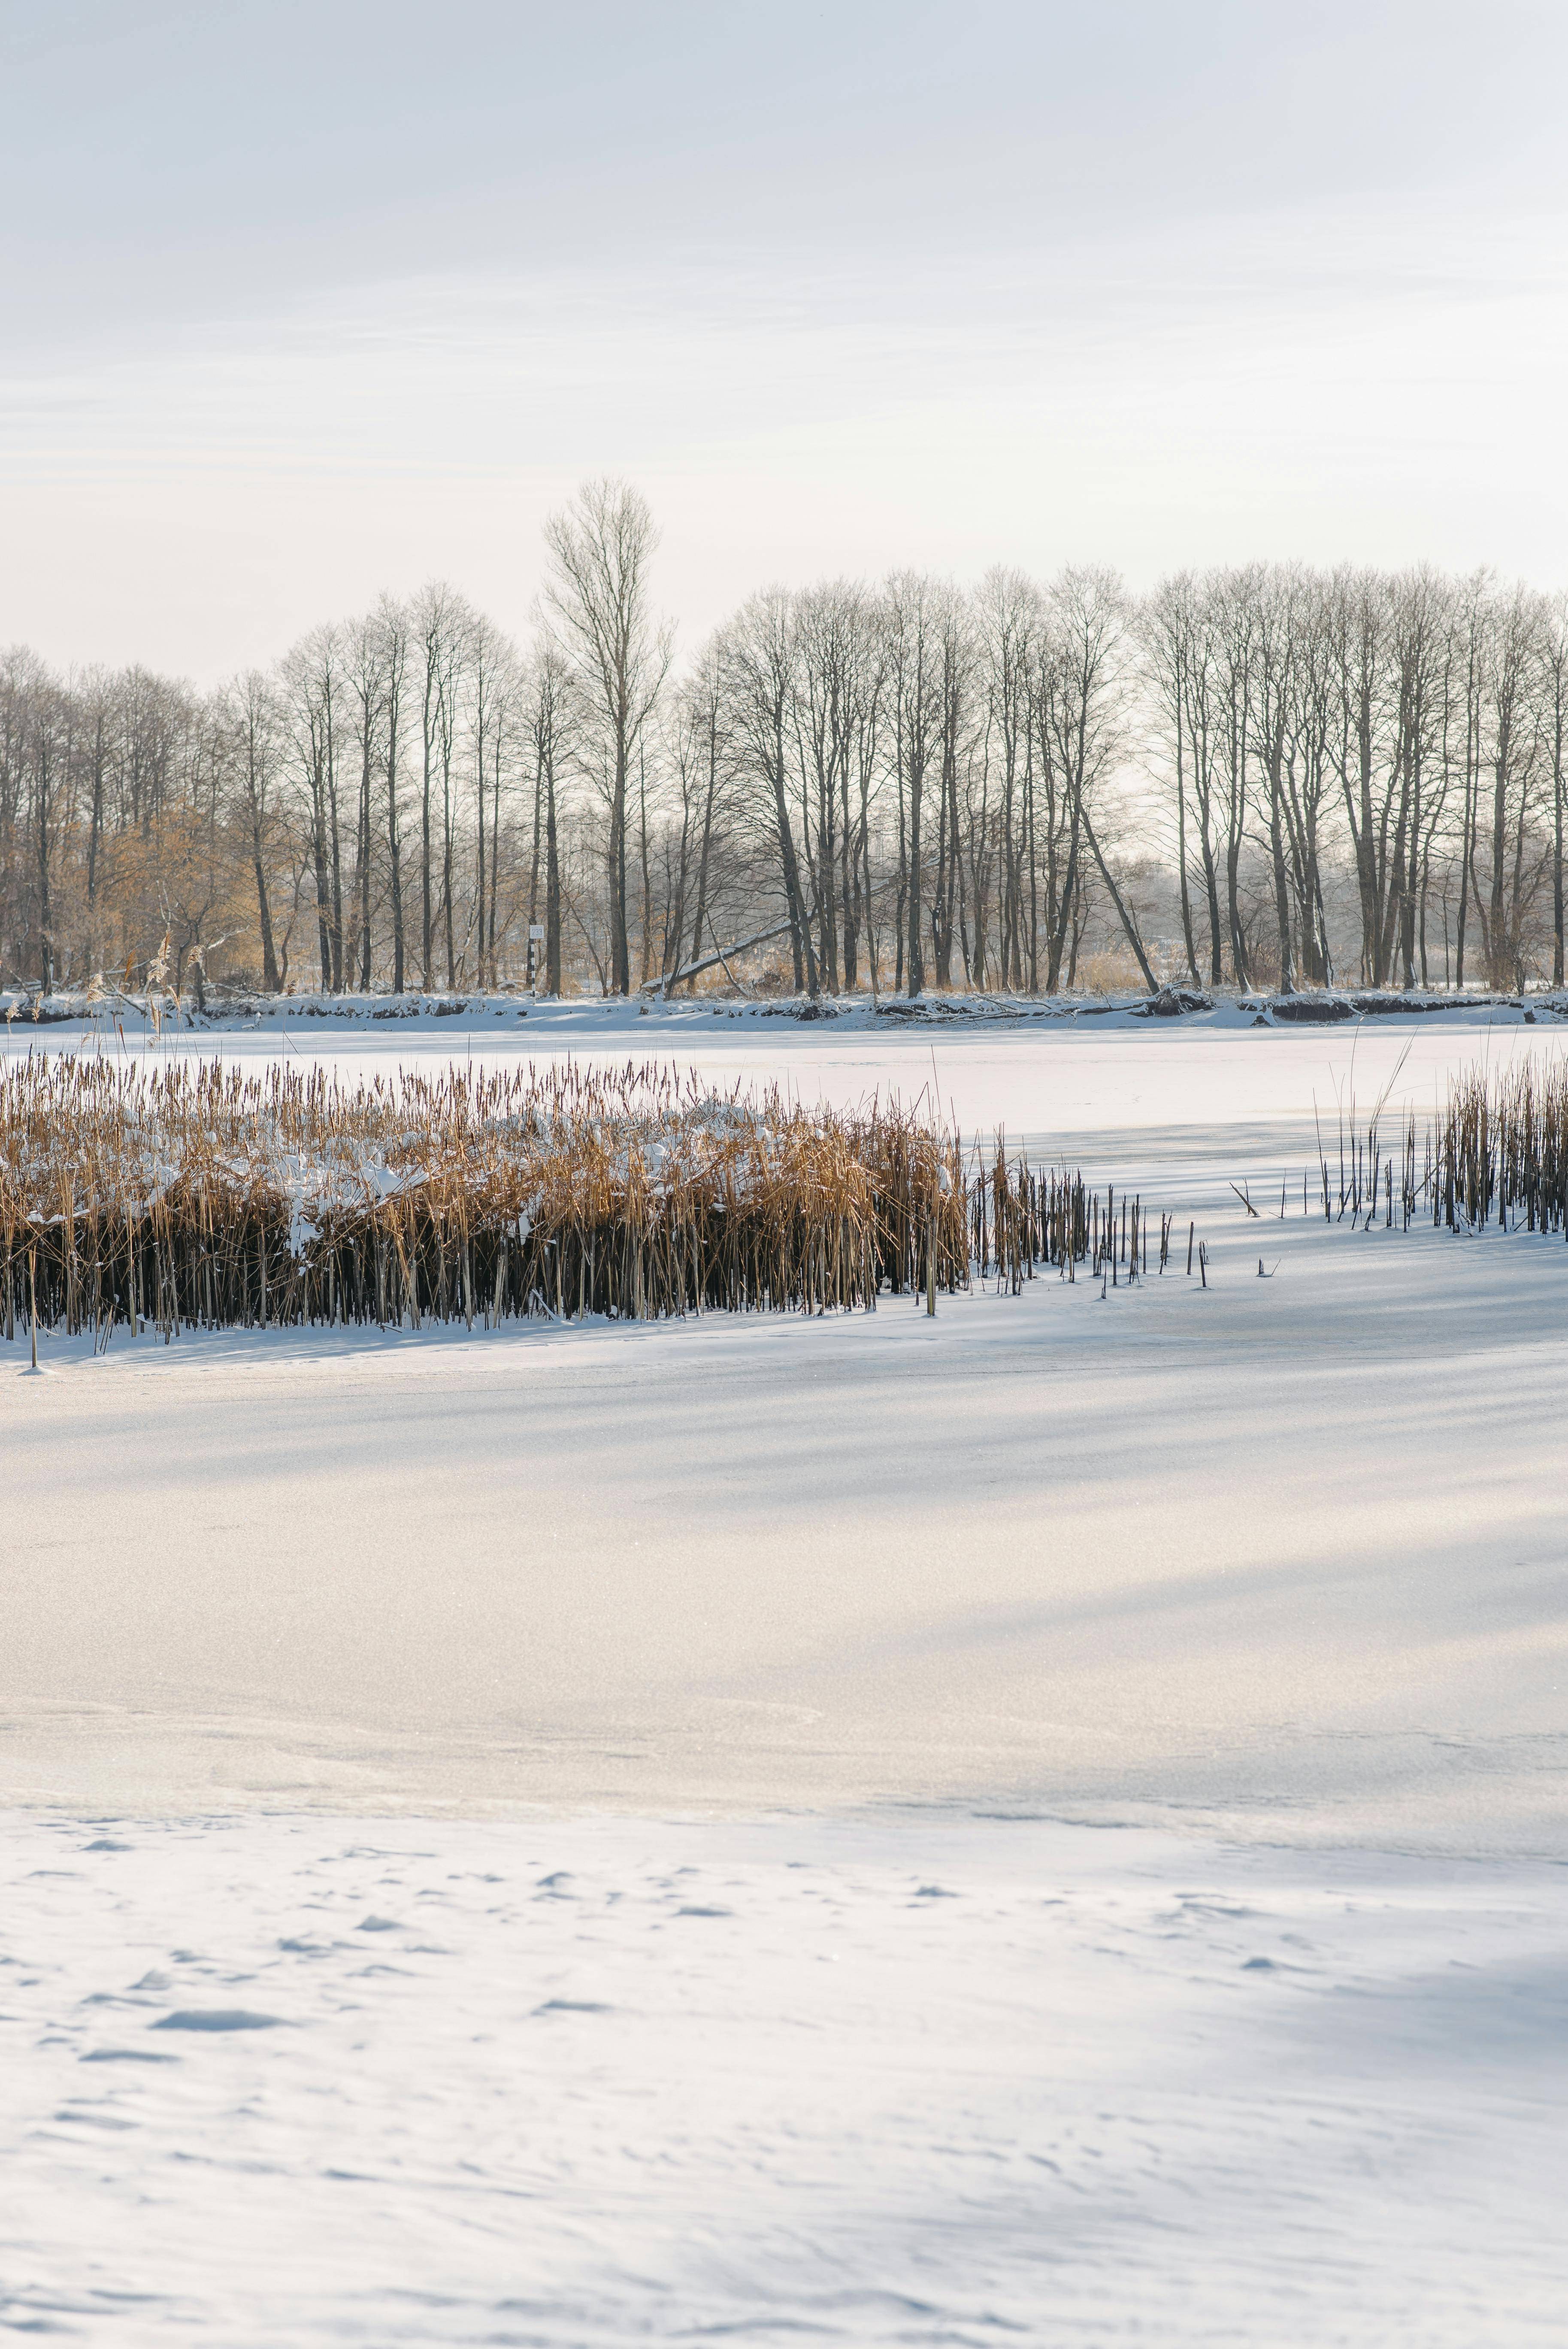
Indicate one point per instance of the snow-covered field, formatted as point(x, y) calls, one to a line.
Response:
point(1047, 1820)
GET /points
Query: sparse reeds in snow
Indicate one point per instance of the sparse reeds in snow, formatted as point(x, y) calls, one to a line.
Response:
point(1495, 1151)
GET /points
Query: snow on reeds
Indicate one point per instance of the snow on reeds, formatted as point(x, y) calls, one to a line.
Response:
point(198, 1195)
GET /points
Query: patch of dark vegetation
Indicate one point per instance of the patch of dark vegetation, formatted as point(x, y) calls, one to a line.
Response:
point(1385, 1006)
point(1310, 1011)
point(1173, 1003)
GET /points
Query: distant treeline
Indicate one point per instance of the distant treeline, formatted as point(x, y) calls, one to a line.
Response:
point(1268, 775)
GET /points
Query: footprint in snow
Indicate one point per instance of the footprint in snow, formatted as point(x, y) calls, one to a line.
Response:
point(376, 1924)
point(936, 1892)
point(216, 2018)
point(694, 1911)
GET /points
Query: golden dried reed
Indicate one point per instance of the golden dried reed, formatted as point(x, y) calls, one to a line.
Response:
point(200, 1195)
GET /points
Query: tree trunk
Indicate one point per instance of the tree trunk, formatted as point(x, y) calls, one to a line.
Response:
point(1128, 926)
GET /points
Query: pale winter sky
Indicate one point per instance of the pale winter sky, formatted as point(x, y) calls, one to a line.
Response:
point(304, 298)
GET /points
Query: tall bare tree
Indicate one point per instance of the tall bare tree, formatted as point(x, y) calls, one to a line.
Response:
point(601, 550)
point(257, 725)
point(757, 655)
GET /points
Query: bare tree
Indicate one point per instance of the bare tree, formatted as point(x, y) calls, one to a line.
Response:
point(313, 688)
point(1554, 713)
point(915, 607)
point(1010, 623)
point(490, 662)
point(256, 720)
point(959, 716)
point(549, 703)
point(440, 624)
point(392, 640)
point(49, 748)
point(601, 548)
point(1086, 617)
point(1175, 657)
point(757, 657)
point(1515, 650)
point(703, 755)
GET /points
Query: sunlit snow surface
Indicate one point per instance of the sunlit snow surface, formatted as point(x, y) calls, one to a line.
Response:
point(902, 2080)
point(1046, 1824)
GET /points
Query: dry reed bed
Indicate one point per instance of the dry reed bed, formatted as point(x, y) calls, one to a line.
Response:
point(197, 1195)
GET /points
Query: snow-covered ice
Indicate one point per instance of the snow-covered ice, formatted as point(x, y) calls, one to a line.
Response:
point(911, 2079)
point(1048, 1820)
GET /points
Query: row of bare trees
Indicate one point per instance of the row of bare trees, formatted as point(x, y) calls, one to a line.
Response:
point(1261, 775)
point(1409, 728)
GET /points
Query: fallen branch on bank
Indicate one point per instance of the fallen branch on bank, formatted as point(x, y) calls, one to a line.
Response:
point(725, 955)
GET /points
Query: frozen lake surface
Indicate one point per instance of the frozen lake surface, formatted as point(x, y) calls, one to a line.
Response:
point(1050, 1819)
